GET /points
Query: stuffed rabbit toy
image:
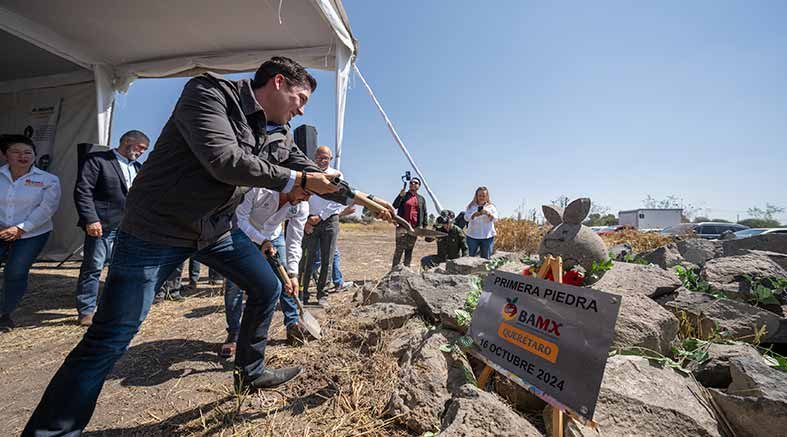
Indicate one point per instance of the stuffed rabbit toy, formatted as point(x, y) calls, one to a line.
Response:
point(569, 238)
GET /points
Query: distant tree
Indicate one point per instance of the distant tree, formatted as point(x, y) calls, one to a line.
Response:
point(767, 213)
point(672, 202)
point(700, 219)
point(597, 208)
point(367, 216)
point(596, 219)
point(562, 201)
point(760, 223)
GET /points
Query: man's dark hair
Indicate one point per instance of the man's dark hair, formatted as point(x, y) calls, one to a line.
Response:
point(9, 139)
point(135, 136)
point(291, 70)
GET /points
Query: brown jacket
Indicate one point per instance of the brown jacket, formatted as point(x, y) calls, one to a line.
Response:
point(212, 149)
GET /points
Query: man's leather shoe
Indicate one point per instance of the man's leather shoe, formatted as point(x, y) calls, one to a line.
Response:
point(270, 378)
point(6, 324)
point(296, 334)
point(175, 296)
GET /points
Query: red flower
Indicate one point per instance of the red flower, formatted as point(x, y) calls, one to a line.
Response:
point(573, 277)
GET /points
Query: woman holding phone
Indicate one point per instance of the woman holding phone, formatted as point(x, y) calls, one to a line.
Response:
point(481, 215)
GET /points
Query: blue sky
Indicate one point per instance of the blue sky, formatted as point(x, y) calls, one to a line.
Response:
point(614, 100)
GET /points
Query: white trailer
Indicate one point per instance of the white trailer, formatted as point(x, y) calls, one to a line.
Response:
point(647, 218)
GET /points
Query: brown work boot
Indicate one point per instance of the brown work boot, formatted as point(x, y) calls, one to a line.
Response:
point(86, 319)
point(296, 334)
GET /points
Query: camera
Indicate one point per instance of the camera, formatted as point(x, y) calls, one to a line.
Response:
point(406, 176)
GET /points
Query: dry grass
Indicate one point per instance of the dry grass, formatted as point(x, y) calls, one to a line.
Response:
point(350, 379)
point(519, 235)
point(639, 241)
point(375, 226)
point(523, 235)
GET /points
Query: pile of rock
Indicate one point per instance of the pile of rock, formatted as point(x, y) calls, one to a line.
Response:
point(436, 391)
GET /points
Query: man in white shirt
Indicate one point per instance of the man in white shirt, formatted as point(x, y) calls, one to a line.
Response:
point(100, 199)
point(260, 217)
point(322, 230)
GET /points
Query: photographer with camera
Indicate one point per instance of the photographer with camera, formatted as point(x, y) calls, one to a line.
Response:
point(481, 215)
point(411, 206)
point(451, 246)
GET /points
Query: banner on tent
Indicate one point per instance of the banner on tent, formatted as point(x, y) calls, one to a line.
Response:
point(42, 129)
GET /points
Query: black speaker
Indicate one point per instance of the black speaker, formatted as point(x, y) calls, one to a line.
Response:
point(306, 139)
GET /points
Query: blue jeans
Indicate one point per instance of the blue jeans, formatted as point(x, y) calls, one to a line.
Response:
point(336, 274)
point(19, 257)
point(97, 251)
point(174, 281)
point(233, 298)
point(487, 246)
point(139, 268)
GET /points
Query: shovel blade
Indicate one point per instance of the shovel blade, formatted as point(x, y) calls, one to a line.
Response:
point(311, 324)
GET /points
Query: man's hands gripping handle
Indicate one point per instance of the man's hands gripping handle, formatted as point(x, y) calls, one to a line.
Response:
point(382, 209)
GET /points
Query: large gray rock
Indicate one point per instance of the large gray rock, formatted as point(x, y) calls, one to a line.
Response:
point(407, 338)
point(644, 323)
point(427, 378)
point(736, 320)
point(777, 257)
point(698, 250)
point(389, 289)
point(640, 399)
point(715, 372)
point(664, 256)
point(466, 265)
point(727, 273)
point(648, 280)
point(766, 242)
point(439, 296)
point(619, 251)
point(384, 315)
point(514, 266)
point(476, 413)
point(755, 403)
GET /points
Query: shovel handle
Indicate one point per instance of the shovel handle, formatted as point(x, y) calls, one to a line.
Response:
point(280, 271)
point(363, 199)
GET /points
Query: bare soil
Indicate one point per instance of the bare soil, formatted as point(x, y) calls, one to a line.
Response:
point(172, 380)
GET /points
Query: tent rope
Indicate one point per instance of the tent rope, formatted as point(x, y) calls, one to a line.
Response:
point(399, 140)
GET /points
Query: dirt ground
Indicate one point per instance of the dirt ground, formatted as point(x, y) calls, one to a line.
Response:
point(172, 381)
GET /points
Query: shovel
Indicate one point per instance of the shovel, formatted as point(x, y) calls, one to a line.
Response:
point(364, 200)
point(309, 321)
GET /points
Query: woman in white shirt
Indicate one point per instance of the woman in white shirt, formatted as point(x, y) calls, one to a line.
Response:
point(29, 197)
point(481, 215)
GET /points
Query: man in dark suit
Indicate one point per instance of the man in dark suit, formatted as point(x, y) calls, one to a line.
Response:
point(100, 197)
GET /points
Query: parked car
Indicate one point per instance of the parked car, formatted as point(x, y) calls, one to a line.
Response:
point(708, 230)
point(759, 231)
point(613, 229)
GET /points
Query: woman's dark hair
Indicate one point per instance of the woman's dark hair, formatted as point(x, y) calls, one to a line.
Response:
point(291, 70)
point(9, 139)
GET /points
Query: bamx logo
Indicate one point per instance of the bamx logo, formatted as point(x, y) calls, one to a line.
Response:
point(509, 309)
point(541, 323)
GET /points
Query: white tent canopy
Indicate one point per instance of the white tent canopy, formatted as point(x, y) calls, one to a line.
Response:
point(70, 54)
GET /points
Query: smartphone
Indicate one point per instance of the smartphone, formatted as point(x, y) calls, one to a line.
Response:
point(480, 208)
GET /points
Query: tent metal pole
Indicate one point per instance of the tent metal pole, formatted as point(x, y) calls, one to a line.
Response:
point(399, 140)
